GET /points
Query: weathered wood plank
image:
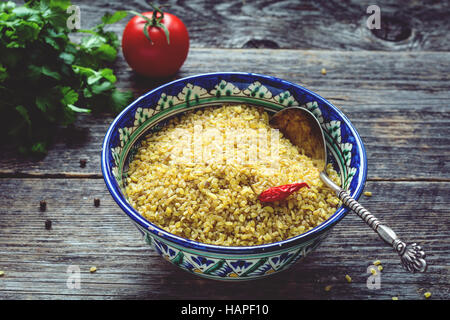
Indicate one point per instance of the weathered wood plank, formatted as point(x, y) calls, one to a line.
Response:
point(399, 102)
point(35, 260)
point(405, 25)
point(346, 71)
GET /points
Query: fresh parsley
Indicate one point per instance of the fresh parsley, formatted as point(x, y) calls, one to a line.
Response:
point(46, 79)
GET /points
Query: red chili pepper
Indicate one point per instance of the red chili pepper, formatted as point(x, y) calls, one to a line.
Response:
point(281, 192)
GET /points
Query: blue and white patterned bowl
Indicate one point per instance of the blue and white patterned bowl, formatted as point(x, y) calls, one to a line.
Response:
point(151, 111)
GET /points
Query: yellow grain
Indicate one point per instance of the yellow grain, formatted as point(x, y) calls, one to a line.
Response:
point(216, 201)
point(269, 209)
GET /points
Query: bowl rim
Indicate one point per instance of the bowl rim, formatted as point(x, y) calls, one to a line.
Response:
point(337, 216)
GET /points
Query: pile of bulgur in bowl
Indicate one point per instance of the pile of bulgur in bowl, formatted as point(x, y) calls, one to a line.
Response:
point(187, 161)
point(213, 198)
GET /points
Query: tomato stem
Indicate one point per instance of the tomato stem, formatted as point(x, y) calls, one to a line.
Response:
point(155, 21)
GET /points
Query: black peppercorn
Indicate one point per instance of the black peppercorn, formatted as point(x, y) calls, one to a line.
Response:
point(83, 163)
point(48, 224)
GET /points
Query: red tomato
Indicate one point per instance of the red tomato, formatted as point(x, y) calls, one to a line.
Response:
point(158, 58)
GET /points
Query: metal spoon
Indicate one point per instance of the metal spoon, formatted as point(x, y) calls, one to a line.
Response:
point(302, 128)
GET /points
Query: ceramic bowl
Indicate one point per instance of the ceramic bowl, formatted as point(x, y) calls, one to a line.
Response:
point(151, 111)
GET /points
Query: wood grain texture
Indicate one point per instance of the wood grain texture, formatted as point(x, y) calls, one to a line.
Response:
point(35, 260)
point(392, 83)
point(341, 25)
point(399, 103)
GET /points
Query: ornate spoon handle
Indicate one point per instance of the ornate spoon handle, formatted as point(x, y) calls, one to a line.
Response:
point(412, 256)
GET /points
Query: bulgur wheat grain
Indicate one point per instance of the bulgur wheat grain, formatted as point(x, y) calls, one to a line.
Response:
point(215, 201)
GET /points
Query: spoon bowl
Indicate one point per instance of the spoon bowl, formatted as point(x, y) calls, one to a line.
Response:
point(303, 130)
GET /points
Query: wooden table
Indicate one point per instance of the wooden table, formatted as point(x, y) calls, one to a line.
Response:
point(394, 86)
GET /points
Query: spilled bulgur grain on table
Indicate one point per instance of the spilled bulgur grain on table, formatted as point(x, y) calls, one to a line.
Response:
point(215, 201)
